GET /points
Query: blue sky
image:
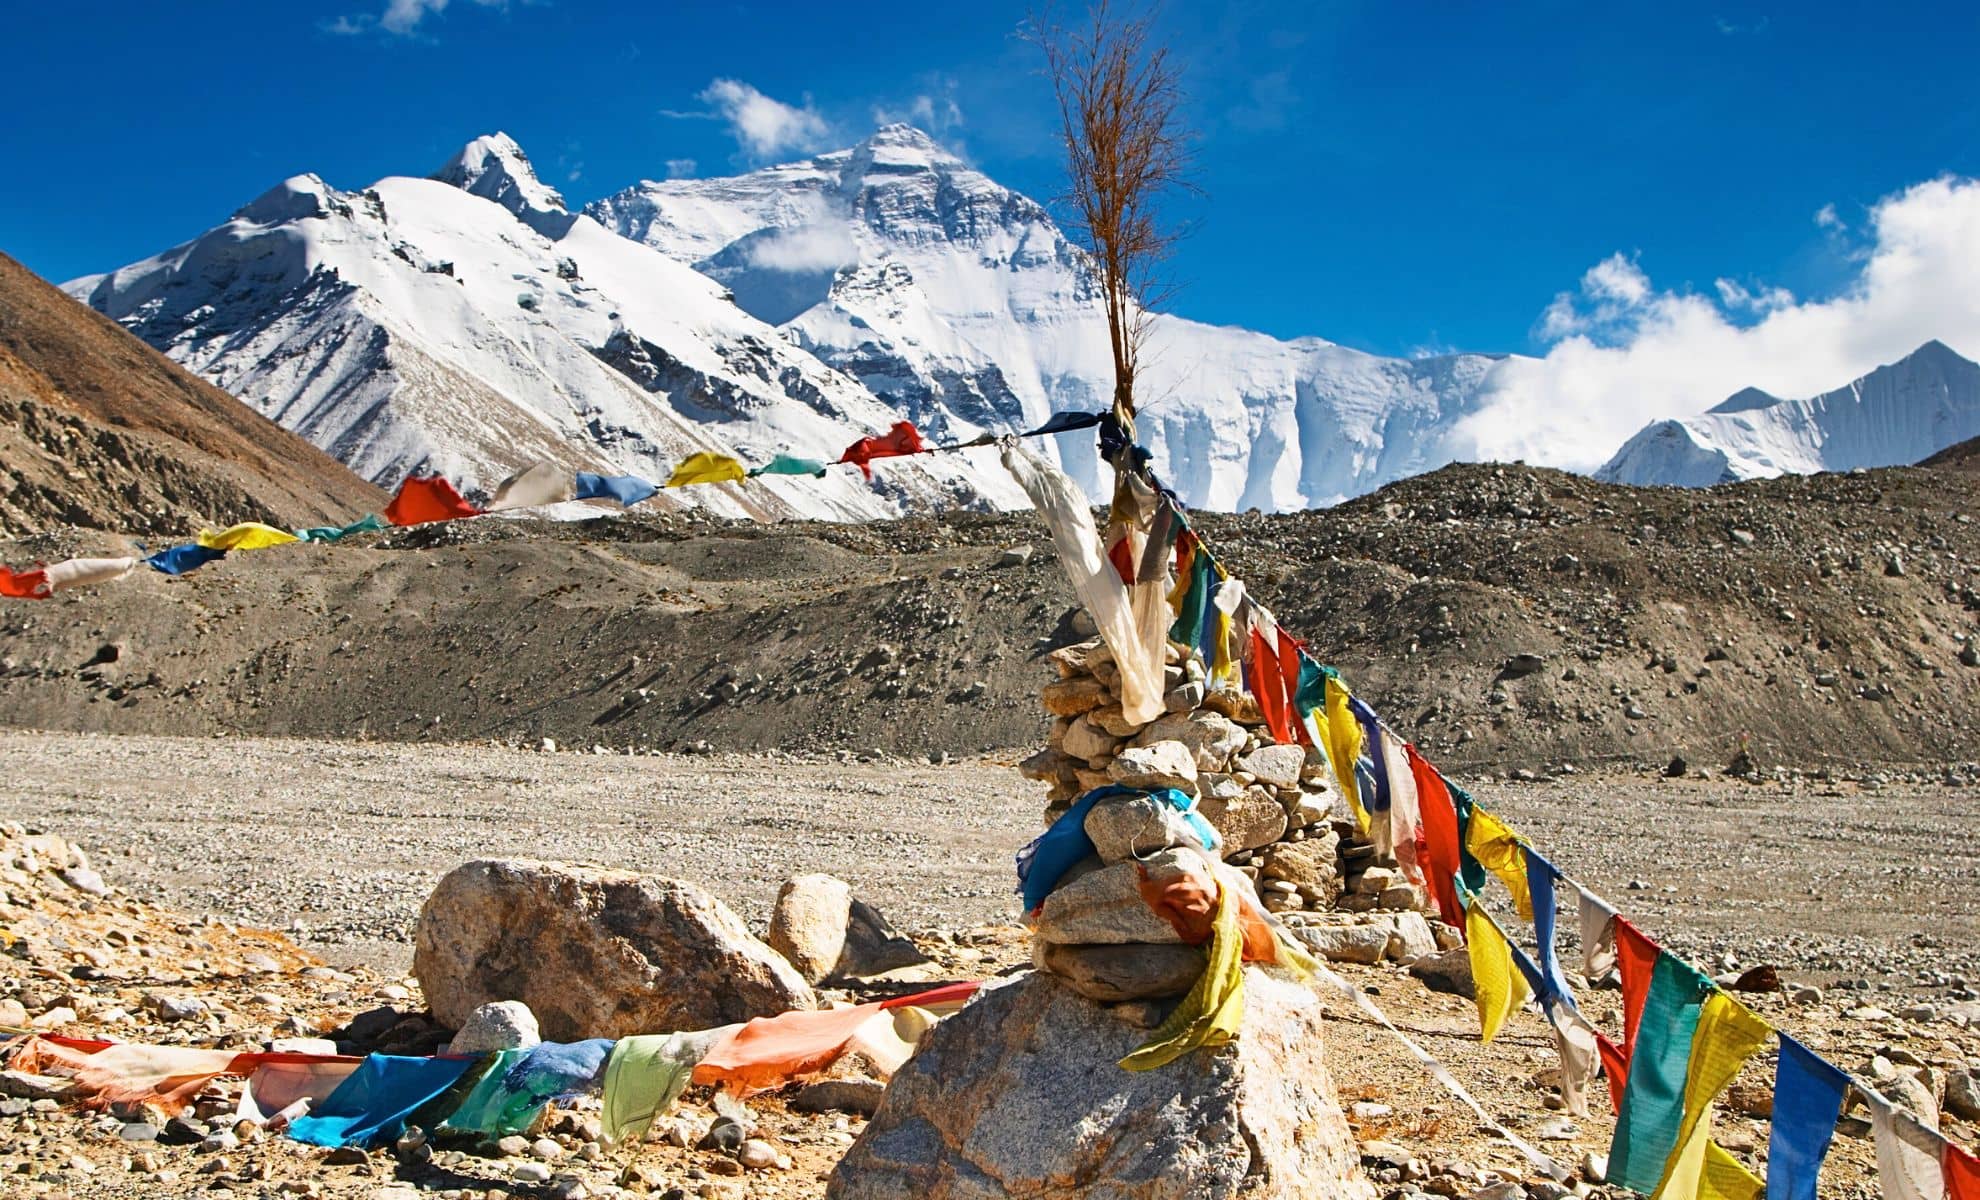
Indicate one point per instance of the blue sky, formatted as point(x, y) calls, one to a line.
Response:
point(1398, 177)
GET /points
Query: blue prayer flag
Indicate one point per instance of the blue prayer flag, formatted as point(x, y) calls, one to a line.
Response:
point(180, 559)
point(1808, 1097)
point(628, 490)
point(371, 1106)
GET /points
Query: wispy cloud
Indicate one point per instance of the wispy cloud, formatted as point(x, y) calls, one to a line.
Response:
point(762, 126)
point(401, 18)
point(1734, 28)
point(1826, 218)
point(1623, 351)
point(934, 111)
point(680, 168)
point(1268, 103)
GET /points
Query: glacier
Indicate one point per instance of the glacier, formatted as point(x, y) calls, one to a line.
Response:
point(1896, 415)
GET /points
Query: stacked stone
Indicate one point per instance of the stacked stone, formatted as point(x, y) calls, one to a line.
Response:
point(1283, 821)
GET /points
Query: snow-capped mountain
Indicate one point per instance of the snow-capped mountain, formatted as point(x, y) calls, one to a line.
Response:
point(467, 323)
point(1896, 415)
point(961, 304)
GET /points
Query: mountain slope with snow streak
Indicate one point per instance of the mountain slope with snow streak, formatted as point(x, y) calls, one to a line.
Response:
point(433, 324)
point(1894, 416)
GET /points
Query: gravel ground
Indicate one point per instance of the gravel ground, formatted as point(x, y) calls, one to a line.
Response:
point(339, 842)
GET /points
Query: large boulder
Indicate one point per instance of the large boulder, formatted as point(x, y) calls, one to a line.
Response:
point(1121, 972)
point(1106, 907)
point(1253, 819)
point(1156, 765)
point(1021, 1094)
point(826, 932)
point(593, 952)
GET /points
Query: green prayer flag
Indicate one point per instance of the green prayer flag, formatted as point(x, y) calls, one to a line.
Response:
point(1653, 1101)
point(643, 1078)
point(333, 533)
point(491, 1108)
point(787, 464)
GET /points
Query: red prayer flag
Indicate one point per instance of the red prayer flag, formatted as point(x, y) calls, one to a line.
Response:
point(424, 499)
point(1440, 837)
point(1615, 1064)
point(1289, 672)
point(24, 585)
point(1122, 556)
point(1962, 1173)
point(903, 438)
point(1268, 685)
point(1636, 957)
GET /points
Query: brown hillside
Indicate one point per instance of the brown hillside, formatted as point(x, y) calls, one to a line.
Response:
point(1963, 456)
point(99, 429)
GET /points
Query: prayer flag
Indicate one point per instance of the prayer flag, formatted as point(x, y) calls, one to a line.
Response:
point(274, 1086)
point(248, 535)
point(628, 490)
point(707, 467)
point(1500, 851)
point(1598, 935)
point(371, 1107)
point(1540, 879)
point(424, 499)
point(788, 464)
point(1195, 604)
point(181, 559)
point(1213, 1011)
point(1268, 684)
point(1064, 422)
point(489, 1106)
point(1808, 1097)
point(82, 572)
point(1727, 1035)
point(1498, 989)
point(1405, 818)
point(337, 533)
point(25, 585)
point(903, 438)
point(1344, 745)
point(1962, 1173)
point(536, 484)
point(1440, 838)
point(1725, 1178)
point(646, 1074)
point(1653, 1102)
point(1910, 1155)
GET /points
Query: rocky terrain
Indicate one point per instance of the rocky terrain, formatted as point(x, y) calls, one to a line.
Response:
point(98, 429)
point(1505, 618)
point(167, 933)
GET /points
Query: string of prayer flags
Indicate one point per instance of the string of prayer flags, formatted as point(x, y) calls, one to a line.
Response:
point(790, 464)
point(1808, 1099)
point(1498, 988)
point(24, 585)
point(1659, 1061)
point(707, 467)
point(537, 484)
point(180, 559)
point(337, 533)
point(424, 499)
point(903, 438)
point(628, 490)
point(248, 535)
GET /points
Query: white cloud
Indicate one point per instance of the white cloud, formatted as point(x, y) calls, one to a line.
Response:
point(765, 127)
point(1625, 353)
point(808, 248)
point(402, 17)
point(680, 168)
point(935, 115)
point(1826, 218)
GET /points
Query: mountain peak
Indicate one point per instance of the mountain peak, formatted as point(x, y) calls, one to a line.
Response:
point(899, 142)
point(494, 167)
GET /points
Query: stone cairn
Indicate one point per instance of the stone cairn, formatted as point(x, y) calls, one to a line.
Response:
point(1285, 827)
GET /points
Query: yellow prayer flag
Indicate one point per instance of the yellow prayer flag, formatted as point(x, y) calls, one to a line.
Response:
point(1728, 1034)
point(1498, 850)
point(1725, 1178)
point(248, 535)
point(1344, 747)
point(1499, 987)
point(1213, 1011)
point(707, 467)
